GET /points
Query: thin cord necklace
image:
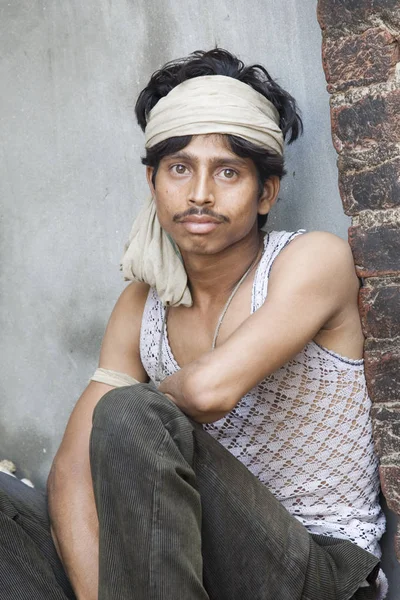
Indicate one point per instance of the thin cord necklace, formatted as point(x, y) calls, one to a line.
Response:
point(159, 369)
point(228, 302)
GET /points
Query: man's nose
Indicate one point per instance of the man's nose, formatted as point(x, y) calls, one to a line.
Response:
point(201, 189)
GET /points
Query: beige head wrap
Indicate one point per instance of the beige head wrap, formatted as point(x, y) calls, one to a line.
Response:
point(198, 106)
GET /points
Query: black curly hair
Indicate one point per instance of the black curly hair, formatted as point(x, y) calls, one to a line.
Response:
point(221, 62)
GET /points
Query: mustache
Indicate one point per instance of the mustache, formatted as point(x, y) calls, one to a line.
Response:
point(200, 212)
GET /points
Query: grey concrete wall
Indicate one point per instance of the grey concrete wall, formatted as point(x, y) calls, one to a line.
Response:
point(71, 180)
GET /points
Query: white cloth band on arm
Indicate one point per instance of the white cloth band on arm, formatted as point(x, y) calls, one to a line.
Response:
point(113, 378)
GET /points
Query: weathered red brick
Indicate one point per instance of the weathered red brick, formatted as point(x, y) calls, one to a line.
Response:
point(365, 132)
point(386, 420)
point(371, 189)
point(376, 250)
point(397, 542)
point(380, 311)
point(355, 14)
point(341, 12)
point(382, 369)
point(390, 477)
point(368, 158)
point(360, 59)
point(369, 121)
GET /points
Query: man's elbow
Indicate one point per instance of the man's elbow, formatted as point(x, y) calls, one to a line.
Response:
point(206, 401)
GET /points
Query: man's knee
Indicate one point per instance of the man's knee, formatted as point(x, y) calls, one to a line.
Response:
point(126, 420)
point(132, 407)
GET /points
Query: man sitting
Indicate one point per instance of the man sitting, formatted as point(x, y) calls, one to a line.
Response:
point(246, 468)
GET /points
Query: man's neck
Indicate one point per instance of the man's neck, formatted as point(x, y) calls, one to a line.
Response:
point(212, 277)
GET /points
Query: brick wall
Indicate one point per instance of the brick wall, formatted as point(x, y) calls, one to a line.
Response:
point(361, 55)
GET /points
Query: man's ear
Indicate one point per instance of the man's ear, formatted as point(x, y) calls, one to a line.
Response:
point(149, 177)
point(269, 195)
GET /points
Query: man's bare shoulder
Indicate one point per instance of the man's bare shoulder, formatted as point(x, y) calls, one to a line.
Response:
point(133, 296)
point(316, 257)
point(322, 246)
point(129, 307)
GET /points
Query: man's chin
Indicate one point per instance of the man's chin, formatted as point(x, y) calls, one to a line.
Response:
point(198, 245)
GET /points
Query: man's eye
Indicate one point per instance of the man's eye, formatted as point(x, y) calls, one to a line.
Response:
point(180, 169)
point(229, 173)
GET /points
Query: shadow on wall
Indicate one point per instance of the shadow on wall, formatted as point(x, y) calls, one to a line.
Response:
point(82, 344)
point(20, 443)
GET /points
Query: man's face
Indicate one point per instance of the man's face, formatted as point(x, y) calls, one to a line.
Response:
point(207, 197)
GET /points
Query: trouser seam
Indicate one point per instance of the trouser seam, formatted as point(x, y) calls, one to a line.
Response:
point(290, 563)
point(156, 498)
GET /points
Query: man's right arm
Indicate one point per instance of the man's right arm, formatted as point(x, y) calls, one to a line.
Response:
point(71, 501)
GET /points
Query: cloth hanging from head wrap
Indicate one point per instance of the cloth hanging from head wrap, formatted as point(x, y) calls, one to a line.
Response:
point(198, 106)
point(151, 257)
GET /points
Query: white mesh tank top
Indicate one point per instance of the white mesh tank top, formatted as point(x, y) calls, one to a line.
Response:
point(304, 431)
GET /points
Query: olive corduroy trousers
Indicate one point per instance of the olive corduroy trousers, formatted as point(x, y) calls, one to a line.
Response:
point(179, 518)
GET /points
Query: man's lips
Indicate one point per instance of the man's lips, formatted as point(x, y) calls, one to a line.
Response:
point(199, 219)
point(199, 223)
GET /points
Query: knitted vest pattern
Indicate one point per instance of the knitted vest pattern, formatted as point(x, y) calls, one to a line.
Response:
point(304, 431)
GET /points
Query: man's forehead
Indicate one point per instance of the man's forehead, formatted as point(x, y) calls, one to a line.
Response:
point(213, 147)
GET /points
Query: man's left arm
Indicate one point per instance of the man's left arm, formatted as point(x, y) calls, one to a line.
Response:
point(311, 287)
